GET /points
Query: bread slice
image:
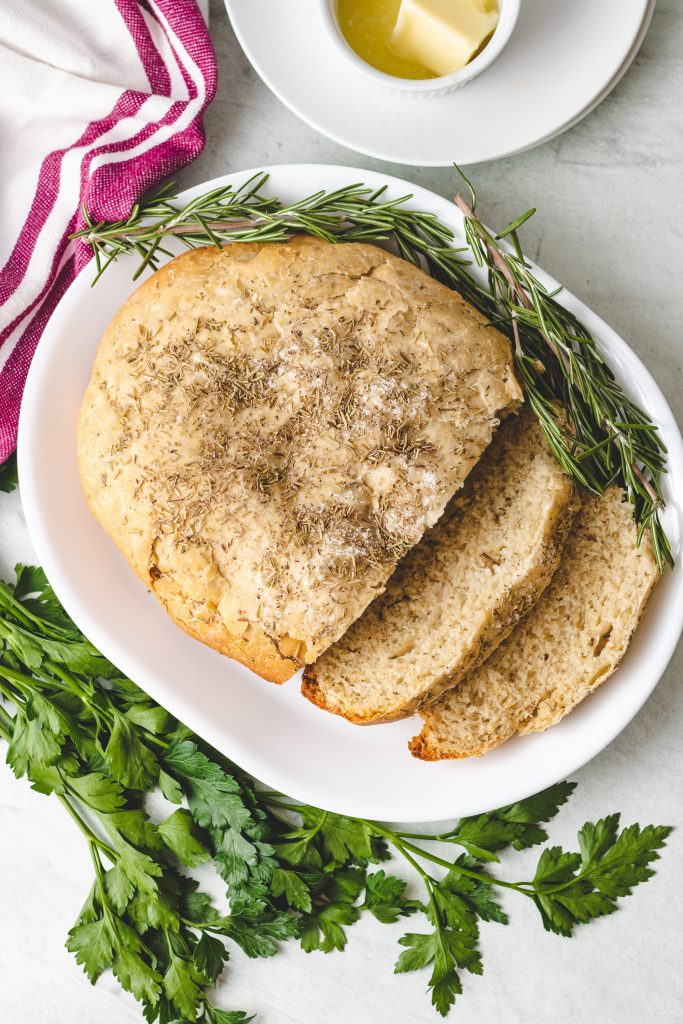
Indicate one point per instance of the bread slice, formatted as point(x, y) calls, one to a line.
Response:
point(458, 594)
point(563, 650)
point(269, 427)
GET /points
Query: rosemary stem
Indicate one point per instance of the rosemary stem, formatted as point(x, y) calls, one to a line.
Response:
point(496, 255)
point(517, 288)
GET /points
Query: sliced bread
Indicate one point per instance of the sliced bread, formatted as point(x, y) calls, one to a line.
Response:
point(458, 594)
point(566, 647)
point(269, 427)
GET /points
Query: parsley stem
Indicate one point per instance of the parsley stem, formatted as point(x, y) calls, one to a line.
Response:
point(72, 683)
point(438, 837)
point(14, 697)
point(426, 877)
point(9, 601)
point(323, 819)
point(30, 683)
point(551, 890)
point(86, 830)
point(99, 880)
point(151, 738)
point(26, 684)
point(272, 799)
point(97, 864)
point(411, 860)
point(6, 724)
point(476, 875)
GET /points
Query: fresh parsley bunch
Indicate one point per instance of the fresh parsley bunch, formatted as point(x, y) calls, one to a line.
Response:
point(93, 740)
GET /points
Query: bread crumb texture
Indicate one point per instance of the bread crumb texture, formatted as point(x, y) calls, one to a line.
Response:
point(269, 428)
point(458, 594)
point(564, 649)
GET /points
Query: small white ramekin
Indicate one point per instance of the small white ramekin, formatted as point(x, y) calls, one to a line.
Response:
point(509, 11)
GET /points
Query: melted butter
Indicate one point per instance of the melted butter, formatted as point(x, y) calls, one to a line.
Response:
point(398, 45)
point(367, 26)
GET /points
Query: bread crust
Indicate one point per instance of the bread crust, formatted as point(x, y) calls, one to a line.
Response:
point(503, 620)
point(358, 677)
point(603, 539)
point(156, 439)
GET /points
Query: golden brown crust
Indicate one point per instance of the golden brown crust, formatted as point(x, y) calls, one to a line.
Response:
point(399, 657)
point(259, 441)
point(562, 651)
point(503, 621)
point(257, 651)
point(420, 748)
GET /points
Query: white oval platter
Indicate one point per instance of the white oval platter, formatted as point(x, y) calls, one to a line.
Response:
point(271, 731)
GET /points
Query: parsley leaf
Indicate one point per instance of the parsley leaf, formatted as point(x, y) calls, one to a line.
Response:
point(98, 791)
point(575, 888)
point(179, 834)
point(213, 796)
point(195, 904)
point(446, 950)
point(289, 884)
point(128, 759)
point(182, 985)
point(385, 897)
point(517, 825)
point(257, 933)
point(135, 975)
point(555, 866)
point(485, 834)
point(140, 868)
point(34, 744)
point(118, 887)
point(616, 863)
point(170, 788)
point(324, 929)
point(93, 944)
point(34, 591)
point(230, 1016)
point(210, 955)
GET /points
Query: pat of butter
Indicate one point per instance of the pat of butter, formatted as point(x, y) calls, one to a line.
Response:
point(442, 34)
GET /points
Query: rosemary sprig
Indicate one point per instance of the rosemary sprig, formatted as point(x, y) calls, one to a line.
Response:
point(226, 214)
point(596, 432)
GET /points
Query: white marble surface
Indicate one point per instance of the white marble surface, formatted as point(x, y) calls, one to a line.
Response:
point(609, 226)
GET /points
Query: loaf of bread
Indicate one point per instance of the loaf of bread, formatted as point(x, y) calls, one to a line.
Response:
point(571, 641)
point(270, 427)
point(458, 594)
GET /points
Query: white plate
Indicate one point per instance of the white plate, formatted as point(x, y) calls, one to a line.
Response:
point(563, 59)
point(272, 731)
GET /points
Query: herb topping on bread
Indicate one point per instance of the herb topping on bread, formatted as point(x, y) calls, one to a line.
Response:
point(270, 427)
point(460, 591)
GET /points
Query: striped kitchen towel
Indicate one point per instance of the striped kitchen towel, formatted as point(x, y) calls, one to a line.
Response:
point(99, 100)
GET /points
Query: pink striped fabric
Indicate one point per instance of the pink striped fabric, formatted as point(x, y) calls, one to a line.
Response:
point(148, 125)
